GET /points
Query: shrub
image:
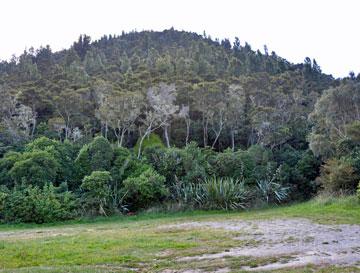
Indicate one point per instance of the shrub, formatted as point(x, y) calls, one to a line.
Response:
point(97, 187)
point(96, 156)
point(35, 168)
point(358, 191)
point(64, 154)
point(270, 189)
point(167, 162)
point(153, 140)
point(145, 190)
point(222, 193)
point(238, 165)
point(6, 163)
point(195, 164)
point(338, 175)
point(33, 204)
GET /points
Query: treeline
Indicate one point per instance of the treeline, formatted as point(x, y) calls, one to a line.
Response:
point(52, 180)
point(183, 120)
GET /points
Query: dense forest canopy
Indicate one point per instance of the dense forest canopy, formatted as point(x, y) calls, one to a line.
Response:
point(207, 101)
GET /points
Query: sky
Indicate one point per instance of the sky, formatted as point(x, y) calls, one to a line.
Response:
point(326, 30)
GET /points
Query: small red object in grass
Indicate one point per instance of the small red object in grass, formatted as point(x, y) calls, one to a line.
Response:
point(130, 213)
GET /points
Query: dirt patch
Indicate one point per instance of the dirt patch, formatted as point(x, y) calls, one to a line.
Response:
point(305, 241)
point(38, 233)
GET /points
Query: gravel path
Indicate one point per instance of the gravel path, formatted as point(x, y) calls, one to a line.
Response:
point(302, 241)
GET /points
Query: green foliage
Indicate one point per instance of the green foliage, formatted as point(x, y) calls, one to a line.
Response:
point(6, 163)
point(239, 165)
point(153, 140)
point(222, 193)
point(63, 153)
point(97, 190)
point(358, 191)
point(35, 168)
point(338, 175)
point(32, 204)
point(144, 190)
point(96, 156)
point(270, 190)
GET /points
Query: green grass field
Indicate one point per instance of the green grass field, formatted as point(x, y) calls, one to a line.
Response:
point(124, 244)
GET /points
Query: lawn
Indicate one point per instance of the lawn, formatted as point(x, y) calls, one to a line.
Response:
point(151, 242)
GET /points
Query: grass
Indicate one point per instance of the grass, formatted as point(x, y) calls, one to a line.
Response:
point(120, 244)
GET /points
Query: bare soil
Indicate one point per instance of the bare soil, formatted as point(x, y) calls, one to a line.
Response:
point(301, 241)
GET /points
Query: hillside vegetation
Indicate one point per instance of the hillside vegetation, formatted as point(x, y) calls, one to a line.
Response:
point(170, 120)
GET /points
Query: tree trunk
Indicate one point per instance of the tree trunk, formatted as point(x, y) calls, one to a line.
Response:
point(216, 139)
point(167, 136)
point(106, 129)
point(232, 140)
point(187, 132)
point(205, 136)
point(33, 129)
point(140, 144)
point(122, 137)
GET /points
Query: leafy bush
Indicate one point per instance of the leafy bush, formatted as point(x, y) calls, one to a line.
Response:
point(35, 168)
point(97, 190)
point(6, 163)
point(153, 140)
point(96, 156)
point(270, 190)
point(145, 190)
point(39, 205)
point(167, 162)
point(64, 154)
point(238, 165)
point(214, 193)
point(195, 164)
point(222, 193)
point(358, 191)
point(338, 175)
point(190, 165)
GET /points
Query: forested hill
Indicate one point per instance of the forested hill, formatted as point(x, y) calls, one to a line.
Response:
point(217, 93)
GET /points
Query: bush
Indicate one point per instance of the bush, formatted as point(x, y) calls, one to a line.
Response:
point(97, 187)
point(358, 191)
point(214, 193)
point(195, 164)
point(153, 140)
point(145, 190)
point(6, 163)
point(33, 204)
point(238, 165)
point(35, 168)
point(64, 154)
point(222, 193)
point(338, 175)
point(167, 162)
point(96, 156)
point(270, 189)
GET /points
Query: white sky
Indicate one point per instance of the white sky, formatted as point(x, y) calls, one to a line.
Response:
point(327, 30)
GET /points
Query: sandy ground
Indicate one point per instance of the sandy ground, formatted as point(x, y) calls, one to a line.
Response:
point(303, 242)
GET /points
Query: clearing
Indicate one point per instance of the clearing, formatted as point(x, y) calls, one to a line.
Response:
point(316, 236)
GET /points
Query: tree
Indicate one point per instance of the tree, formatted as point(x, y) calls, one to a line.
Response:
point(235, 110)
point(160, 111)
point(334, 111)
point(162, 101)
point(35, 168)
point(121, 110)
point(184, 113)
point(97, 190)
point(96, 156)
point(18, 119)
point(69, 106)
point(82, 45)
